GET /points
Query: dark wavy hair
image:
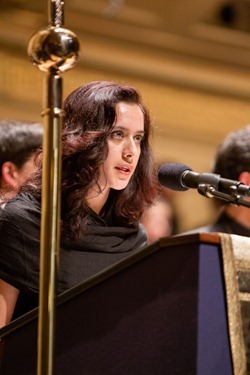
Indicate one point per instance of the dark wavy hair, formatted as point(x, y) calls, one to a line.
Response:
point(233, 157)
point(233, 154)
point(90, 115)
point(19, 140)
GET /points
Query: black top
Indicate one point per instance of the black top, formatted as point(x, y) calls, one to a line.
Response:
point(225, 224)
point(103, 244)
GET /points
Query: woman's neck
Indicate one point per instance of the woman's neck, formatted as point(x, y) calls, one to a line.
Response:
point(96, 199)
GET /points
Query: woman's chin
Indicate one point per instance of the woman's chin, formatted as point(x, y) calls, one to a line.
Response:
point(120, 186)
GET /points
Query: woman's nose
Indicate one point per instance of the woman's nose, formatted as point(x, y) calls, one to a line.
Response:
point(129, 149)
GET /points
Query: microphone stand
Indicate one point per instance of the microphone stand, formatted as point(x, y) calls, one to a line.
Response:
point(234, 197)
point(53, 50)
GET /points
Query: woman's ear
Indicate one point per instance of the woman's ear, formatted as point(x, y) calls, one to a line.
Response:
point(244, 177)
point(10, 174)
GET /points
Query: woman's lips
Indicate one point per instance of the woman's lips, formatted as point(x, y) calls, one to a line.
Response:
point(124, 169)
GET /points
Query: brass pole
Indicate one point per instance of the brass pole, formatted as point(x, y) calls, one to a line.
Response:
point(53, 50)
point(50, 222)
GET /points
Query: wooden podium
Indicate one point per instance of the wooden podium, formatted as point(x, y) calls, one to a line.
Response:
point(160, 311)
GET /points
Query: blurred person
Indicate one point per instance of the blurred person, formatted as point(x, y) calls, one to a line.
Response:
point(232, 161)
point(18, 143)
point(159, 219)
point(108, 179)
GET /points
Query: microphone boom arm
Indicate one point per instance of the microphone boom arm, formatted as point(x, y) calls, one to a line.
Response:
point(209, 191)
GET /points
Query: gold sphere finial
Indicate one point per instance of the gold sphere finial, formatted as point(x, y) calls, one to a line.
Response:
point(53, 49)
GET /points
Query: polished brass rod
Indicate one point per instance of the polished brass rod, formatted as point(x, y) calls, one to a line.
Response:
point(53, 50)
point(50, 222)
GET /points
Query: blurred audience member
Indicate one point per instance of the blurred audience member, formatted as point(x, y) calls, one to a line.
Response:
point(18, 144)
point(232, 161)
point(159, 219)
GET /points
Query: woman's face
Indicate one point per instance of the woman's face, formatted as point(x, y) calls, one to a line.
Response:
point(124, 147)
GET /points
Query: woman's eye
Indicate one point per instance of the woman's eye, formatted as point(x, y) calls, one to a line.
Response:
point(117, 134)
point(138, 138)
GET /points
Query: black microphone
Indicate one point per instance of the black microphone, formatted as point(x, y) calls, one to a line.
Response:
point(180, 177)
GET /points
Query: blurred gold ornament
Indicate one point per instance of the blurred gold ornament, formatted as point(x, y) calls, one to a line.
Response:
point(53, 49)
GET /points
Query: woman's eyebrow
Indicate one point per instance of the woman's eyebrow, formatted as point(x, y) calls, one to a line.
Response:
point(120, 127)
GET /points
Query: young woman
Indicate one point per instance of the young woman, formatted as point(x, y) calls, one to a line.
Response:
point(108, 178)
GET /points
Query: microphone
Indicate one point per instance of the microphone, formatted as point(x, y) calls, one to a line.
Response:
point(180, 177)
